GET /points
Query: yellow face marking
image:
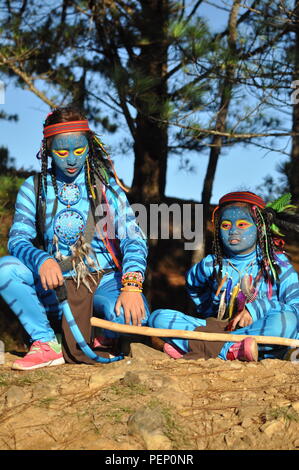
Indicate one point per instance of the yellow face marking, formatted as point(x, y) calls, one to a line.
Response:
point(61, 153)
point(65, 153)
point(226, 225)
point(243, 224)
point(80, 150)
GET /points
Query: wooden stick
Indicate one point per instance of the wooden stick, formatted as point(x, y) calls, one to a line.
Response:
point(165, 333)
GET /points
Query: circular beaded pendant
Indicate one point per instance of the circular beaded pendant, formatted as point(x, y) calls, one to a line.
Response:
point(69, 194)
point(68, 225)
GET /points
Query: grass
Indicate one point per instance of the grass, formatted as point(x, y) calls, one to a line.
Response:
point(46, 402)
point(285, 412)
point(175, 433)
point(129, 389)
point(8, 378)
point(118, 413)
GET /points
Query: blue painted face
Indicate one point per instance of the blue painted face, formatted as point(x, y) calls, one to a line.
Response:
point(238, 231)
point(69, 152)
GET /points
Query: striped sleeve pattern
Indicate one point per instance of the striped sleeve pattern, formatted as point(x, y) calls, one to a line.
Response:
point(132, 242)
point(23, 229)
point(199, 286)
point(284, 299)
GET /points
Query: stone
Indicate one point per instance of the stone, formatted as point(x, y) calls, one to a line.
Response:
point(45, 390)
point(16, 396)
point(273, 427)
point(145, 353)
point(247, 422)
point(109, 374)
point(230, 440)
point(282, 403)
point(152, 380)
point(295, 405)
point(236, 365)
point(132, 378)
point(148, 424)
point(178, 399)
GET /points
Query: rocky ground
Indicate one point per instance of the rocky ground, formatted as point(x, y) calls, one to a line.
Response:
point(149, 401)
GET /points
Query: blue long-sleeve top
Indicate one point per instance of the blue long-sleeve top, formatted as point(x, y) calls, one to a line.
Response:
point(202, 286)
point(132, 243)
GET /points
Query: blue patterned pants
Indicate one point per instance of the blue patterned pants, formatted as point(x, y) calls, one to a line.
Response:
point(282, 324)
point(39, 311)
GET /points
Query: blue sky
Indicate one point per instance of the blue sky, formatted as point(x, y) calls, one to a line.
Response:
point(239, 167)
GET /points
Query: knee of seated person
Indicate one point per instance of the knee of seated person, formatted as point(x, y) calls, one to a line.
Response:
point(284, 324)
point(10, 266)
point(155, 319)
point(103, 305)
point(292, 323)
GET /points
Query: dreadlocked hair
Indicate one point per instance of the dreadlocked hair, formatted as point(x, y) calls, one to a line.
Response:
point(98, 166)
point(217, 248)
point(44, 167)
point(269, 266)
point(283, 219)
point(267, 259)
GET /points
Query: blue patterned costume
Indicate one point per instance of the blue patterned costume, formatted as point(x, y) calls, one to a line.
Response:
point(278, 316)
point(20, 286)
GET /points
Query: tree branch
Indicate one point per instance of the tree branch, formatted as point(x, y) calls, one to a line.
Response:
point(26, 79)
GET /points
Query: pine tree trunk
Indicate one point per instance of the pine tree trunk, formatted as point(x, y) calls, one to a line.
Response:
point(151, 135)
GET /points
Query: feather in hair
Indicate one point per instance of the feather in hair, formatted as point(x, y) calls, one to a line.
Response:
point(282, 203)
point(222, 306)
point(233, 299)
point(247, 288)
point(228, 290)
point(223, 280)
point(241, 299)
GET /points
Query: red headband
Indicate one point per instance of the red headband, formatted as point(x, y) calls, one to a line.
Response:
point(240, 196)
point(64, 127)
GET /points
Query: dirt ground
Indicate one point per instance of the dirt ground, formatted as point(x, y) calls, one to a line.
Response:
point(149, 401)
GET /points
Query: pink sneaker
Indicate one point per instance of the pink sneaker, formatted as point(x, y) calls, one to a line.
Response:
point(103, 342)
point(245, 350)
point(40, 355)
point(173, 351)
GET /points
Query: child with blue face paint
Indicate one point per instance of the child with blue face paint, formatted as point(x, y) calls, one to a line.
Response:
point(69, 152)
point(73, 224)
point(247, 286)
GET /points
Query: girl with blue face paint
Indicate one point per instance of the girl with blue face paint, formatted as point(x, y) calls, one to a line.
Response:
point(79, 218)
point(247, 285)
point(237, 230)
point(69, 152)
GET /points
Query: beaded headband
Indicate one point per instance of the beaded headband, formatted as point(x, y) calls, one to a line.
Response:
point(64, 127)
point(240, 196)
